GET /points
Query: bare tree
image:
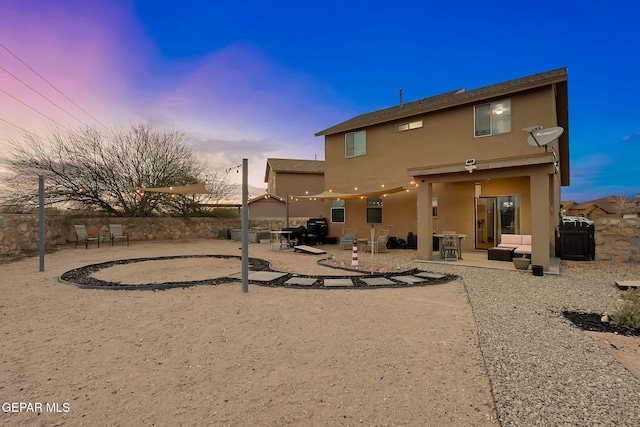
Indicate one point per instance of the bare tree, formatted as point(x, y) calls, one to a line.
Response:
point(623, 205)
point(101, 171)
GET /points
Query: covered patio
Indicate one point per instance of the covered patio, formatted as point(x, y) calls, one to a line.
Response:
point(478, 258)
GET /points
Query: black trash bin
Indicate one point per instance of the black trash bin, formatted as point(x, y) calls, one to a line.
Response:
point(537, 270)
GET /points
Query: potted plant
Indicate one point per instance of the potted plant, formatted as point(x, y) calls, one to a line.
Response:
point(522, 263)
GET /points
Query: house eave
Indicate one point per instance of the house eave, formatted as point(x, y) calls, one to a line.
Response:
point(483, 165)
point(458, 98)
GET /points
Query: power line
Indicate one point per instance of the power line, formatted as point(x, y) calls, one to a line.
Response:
point(50, 84)
point(42, 114)
point(43, 96)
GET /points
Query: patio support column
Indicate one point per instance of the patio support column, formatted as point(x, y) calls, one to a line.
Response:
point(540, 219)
point(425, 221)
point(554, 191)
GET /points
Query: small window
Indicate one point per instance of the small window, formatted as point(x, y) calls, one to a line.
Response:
point(337, 211)
point(356, 144)
point(374, 210)
point(408, 126)
point(434, 206)
point(492, 119)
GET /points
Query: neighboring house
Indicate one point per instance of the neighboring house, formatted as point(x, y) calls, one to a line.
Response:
point(408, 167)
point(606, 207)
point(290, 178)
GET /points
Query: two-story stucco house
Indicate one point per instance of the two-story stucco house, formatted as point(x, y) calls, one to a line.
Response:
point(462, 161)
point(289, 178)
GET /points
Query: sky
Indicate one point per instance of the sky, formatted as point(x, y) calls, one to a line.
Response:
point(257, 79)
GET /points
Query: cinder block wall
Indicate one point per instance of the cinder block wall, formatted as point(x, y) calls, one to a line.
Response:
point(21, 232)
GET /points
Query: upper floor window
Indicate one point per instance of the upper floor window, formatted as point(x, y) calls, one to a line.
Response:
point(355, 144)
point(408, 126)
point(493, 118)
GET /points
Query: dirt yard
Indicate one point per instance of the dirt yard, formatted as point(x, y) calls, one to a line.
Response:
point(212, 355)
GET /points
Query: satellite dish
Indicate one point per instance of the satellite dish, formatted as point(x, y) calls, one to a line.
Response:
point(542, 137)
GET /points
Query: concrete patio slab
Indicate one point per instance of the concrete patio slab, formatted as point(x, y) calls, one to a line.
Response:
point(628, 284)
point(378, 281)
point(337, 282)
point(301, 281)
point(409, 279)
point(431, 275)
point(260, 276)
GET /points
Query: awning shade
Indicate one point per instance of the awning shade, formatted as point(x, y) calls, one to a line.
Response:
point(199, 188)
point(363, 195)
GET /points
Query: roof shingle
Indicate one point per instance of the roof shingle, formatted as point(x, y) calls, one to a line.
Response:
point(448, 99)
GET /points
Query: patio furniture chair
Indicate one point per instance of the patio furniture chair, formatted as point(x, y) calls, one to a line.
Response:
point(379, 243)
point(450, 247)
point(83, 236)
point(348, 237)
point(115, 231)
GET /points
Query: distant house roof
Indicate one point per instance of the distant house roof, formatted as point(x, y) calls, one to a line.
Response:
point(609, 204)
point(448, 99)
point(612, 204)
point(294, 166)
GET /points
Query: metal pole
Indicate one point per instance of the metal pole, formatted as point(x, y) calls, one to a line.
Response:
point(373, 234)
point(41, 218)
point(245, 226)
point(287, 211)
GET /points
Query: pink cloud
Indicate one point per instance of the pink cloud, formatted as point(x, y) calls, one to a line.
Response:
point(76, 46)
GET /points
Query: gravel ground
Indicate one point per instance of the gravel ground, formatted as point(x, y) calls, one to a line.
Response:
point(544, 371)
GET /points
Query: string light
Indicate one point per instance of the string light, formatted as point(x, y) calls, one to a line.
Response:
point(237, 168)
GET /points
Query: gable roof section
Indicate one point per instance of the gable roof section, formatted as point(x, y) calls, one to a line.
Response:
point(448, 99)
point(294, 166)
point(267, 196)
point(612, 204)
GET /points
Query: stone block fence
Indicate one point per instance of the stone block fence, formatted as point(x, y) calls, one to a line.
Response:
point(618, 239)
point(20, 232)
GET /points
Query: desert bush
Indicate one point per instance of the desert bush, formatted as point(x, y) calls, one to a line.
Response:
point(629, 314)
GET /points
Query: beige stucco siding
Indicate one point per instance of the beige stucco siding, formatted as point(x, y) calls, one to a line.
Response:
point(447, 137)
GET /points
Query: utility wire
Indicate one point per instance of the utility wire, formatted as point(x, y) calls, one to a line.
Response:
point(42, 114)
point(43, 96)
point(50, 84)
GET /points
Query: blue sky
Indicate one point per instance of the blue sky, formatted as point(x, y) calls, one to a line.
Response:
point(258, 79)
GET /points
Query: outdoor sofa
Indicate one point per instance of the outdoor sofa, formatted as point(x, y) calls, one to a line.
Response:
point(520, 243)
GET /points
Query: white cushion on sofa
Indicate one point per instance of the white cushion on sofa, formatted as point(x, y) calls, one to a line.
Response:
point(526, 239)
point(523, 249)
point(510, 241)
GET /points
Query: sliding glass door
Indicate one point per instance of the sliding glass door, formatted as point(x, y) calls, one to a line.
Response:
point(496, 216)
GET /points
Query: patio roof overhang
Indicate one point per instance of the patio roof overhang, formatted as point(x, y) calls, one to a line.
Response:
point(494, 168)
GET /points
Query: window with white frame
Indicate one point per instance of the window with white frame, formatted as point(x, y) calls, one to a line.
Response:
point(355, 144)
point(493, 118)
point(337, 211)
point(374, 210)
point(409, 126)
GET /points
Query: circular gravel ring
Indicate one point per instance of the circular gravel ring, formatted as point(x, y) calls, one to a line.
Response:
point(81, 276)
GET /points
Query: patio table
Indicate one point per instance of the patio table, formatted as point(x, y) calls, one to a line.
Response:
point(460, 238)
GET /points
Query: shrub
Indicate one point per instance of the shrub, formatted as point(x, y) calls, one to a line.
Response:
point(629, 314)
